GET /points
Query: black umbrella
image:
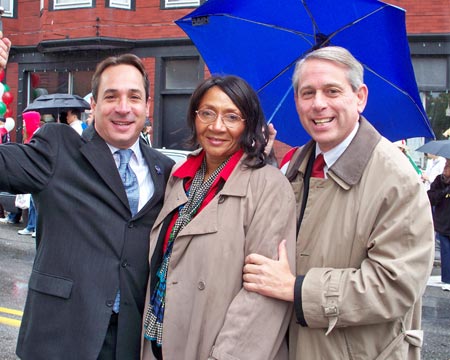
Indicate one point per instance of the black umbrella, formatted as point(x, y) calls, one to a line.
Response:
point(55, 103)
point(436, 147)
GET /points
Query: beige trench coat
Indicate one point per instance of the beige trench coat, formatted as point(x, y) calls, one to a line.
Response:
point(208, 314)
point(366, 246)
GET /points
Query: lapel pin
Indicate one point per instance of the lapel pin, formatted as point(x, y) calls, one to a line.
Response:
point(158, 169)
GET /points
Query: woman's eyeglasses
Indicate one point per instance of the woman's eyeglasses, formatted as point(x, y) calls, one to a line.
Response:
point(208, 116)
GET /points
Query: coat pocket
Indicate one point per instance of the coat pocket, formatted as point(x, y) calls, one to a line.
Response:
point(50, 284)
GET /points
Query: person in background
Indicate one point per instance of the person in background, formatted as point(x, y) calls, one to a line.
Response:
point(73, 119)
point(365, 232)
point(4, 138)
point(4, 133)
point(219, 206)
point(87, 287)
point(434, 167)
point(439, 195)
point(13, 217)
point(401, 145)
point(89, 118)
point(31, 124)
point(147, 132)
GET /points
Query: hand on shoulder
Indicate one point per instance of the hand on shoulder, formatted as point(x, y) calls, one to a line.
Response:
point(5, 46)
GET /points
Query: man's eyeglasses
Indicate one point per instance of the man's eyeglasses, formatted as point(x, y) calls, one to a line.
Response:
point(208, 116)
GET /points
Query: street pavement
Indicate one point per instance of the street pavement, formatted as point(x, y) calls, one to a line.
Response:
point(16, 259)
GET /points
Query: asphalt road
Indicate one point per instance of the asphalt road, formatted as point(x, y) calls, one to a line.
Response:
point(16, 259)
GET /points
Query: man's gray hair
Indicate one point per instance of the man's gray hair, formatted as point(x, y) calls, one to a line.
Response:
point(337, 54)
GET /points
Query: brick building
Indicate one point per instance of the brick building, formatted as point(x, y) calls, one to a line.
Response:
point(57, 43)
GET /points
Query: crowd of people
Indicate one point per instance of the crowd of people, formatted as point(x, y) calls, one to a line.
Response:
point(222, 256)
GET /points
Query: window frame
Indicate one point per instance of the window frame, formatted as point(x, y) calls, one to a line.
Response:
point(130, 6)
point(75, 4)
point(165, 5)
point(12, 12)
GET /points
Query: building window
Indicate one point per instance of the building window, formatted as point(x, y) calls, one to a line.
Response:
point(431, 72)
point(8, 7)
point(71, 4)
point(170, 4)
point(120, 4)
point(181, 74)
point(65, 82)
point(437, 105)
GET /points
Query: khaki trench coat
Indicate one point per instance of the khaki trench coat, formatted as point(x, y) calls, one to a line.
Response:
point(208, 314)
point(366, 247)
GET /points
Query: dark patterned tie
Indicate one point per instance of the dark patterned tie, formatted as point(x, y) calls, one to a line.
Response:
point(129, 179)
point(317, 170)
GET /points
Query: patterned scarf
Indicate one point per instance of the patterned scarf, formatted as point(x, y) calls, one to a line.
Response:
point(153, 322)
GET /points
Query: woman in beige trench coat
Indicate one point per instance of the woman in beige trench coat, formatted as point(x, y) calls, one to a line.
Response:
point(221, 204)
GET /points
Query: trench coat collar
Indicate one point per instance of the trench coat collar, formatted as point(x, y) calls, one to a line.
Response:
point(206, 221)
point(349, 167)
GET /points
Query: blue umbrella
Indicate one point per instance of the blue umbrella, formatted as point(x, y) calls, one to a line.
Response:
point(262, 40)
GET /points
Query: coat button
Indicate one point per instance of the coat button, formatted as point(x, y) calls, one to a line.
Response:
point(125, 264)
point(131, 225)
point(109, 303)
point(201, 285)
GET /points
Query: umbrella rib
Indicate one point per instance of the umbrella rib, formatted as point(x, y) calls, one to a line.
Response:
point(334, 33)
point(395, 87)
point(280, 103)
point(277, 27)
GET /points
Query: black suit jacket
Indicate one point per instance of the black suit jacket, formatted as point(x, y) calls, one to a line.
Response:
point(89, 244)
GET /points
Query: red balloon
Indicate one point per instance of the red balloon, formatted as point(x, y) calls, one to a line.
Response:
point(35, 80)
point(2, 74)
point(8, 113)
point(7, 97)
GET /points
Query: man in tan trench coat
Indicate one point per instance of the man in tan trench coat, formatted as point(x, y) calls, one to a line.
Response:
point(365, 239)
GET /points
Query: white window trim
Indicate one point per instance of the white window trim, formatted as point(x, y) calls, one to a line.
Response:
point(120, 4)
point(8, 13)
point(181, 3)
point(73, 4)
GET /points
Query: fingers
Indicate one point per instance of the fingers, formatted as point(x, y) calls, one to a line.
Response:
point(5, 45)
point(272, 134)
point(256, 259)
point(282, 251)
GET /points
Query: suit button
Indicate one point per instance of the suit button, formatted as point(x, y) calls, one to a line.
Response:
point(131, 225)
point(125, 264)
point(109, 303)
point(201, 285)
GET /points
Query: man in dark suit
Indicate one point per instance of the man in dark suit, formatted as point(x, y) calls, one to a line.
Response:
point(91, 248)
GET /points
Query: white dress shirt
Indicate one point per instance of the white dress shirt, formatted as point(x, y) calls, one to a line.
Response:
point(140, 168)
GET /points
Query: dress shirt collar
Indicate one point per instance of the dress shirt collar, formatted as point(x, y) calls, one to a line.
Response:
point(332, 155)
point(137, 154)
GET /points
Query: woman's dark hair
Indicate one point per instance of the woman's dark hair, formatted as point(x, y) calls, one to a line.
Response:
point(125, 59)
point(253, 141)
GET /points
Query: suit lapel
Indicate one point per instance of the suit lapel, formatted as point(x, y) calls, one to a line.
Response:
point(156, 172)
point(97, 152)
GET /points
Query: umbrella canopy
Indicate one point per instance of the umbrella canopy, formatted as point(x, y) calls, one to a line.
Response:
point(55, 103)
point(261, 42)
point(436, 147)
